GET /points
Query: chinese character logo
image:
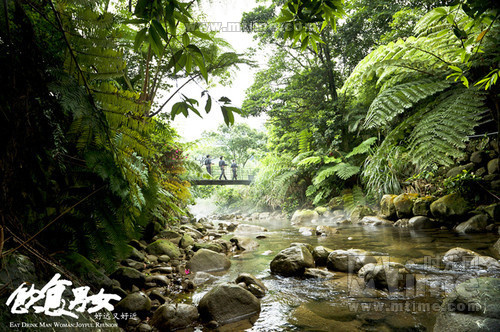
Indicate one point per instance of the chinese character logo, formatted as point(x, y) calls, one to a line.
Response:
point(24, 298)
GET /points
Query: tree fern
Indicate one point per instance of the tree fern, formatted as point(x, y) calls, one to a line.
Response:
point(392, 102)
point(442, 132)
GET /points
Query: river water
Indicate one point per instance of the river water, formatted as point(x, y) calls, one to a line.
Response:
point(344, 303)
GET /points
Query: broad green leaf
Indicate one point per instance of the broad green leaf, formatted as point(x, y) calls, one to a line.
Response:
point(155, 41)
point(139, 38)
point(228, 115)
point(185, 39)
point(159, 28)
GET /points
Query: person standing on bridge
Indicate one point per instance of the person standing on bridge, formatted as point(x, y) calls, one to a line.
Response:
point(222, 165)
point(208, 164)
point(233, 168)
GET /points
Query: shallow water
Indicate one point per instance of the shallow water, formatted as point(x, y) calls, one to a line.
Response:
point(344, 303)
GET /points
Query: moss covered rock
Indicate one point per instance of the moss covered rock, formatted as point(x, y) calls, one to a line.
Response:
point(387, 208)
point(404, 205)
point(321, 210)
point(449, 206)
point(300, 216)
point(164, 247)
point(186, 241)
point(422, 206)
point(361, 211)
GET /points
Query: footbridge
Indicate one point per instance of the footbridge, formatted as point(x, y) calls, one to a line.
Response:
point(244, 176)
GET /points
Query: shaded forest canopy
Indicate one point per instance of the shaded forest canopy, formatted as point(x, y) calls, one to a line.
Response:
point(370, 97)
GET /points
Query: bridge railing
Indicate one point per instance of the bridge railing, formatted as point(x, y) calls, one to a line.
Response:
point(242, 173)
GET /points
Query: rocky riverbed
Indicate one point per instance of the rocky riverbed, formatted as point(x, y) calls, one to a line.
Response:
point(321, 270)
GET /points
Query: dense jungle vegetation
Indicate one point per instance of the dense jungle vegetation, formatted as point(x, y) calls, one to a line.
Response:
point(363, 98)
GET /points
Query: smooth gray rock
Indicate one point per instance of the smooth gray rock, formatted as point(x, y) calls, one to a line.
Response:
point(128, 277)
point(475, 224)
point(227, 303)
point(420, 222)
point(349, 260)
point(388, 275)
point(134, 302)
point(292, 261)
point(208, 261)
point(170, 317)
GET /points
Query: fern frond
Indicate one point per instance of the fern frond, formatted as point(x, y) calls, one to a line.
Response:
point(396, 100)
point(304, 141)
point(346, 170)
point(310, 161)
point(442, 132)
point(364, 147)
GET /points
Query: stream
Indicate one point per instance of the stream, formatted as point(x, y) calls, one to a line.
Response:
point(344, 303)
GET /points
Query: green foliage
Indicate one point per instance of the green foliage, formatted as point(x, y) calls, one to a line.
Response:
point(353, 198)
point(425, 116)
point(465, 183)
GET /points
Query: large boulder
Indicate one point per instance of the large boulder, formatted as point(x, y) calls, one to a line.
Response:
point(349, 260)
point(422, 206)
point(129, 277)
point(448, 207)
point(135, 302)
point(292, 261)
point(388, 275)
point(420, 222)
point(163, 247)
point(170, 317)
point(320, 255)
point(387, 208)
point(361, 211)
point(301, 216)
point(208, 261)
point(475, 224)
point(404, 204)
point(474, 305)
point(227, 303)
